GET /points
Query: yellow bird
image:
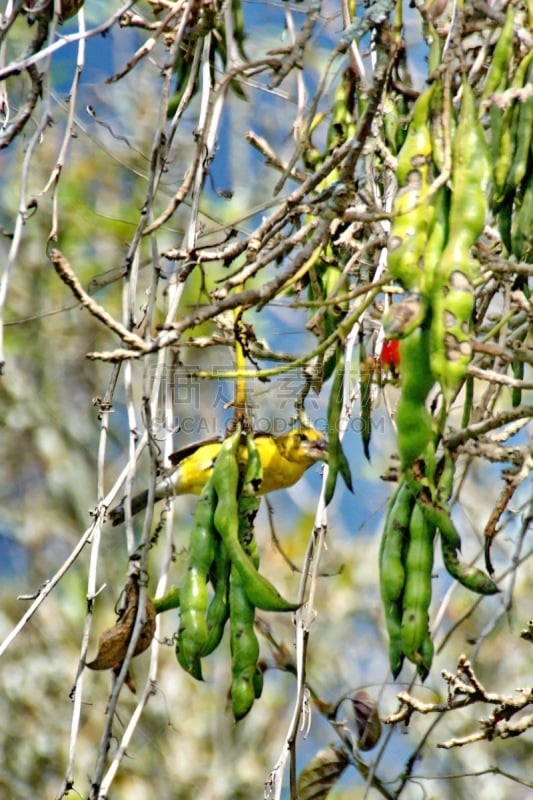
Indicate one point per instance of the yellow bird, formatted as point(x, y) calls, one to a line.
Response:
point(284, 459)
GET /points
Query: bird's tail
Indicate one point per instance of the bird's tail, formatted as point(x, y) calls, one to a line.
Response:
point(138, 503)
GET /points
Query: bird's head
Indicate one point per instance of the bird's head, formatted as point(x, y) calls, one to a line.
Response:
point(303, 444)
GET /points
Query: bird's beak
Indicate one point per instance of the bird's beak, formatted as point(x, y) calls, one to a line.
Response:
point(320, 449)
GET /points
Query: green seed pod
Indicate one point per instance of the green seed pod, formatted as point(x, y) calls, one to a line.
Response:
point(453, 305)
point(414, 422)
point(507, 143)
point(249, 501)
point(439, 517)
point(514, 137)
point(409, 233)
point(417, 142)
point(194, 597)
point(391, 125)
point(470, 577)
point(521, 229)
point(412, 214)
point(258, 681)
point(497, 74)
point(170, 600)
point(436, 126)
point(415, 376)
point(261, 592)
point(452, 294)
point(393, 543)
point(471, 173)
point(414, 630)
point(367, 366)
point(392, 570)
point(244, 648)
point(218, 610)
point(426, 653)
point(192, 633)
point(417, 591)
point(437, 238)
point(242, 695)
point(415, 429)
point(523, 137)
point(394, 629)
point(239, 31)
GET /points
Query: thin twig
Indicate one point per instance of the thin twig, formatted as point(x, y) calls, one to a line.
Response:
point(465, 689)
point(17, 66)
point(67, 275)
point(45, 590)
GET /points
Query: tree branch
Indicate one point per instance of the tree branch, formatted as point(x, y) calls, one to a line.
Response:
point(66, 273)
point(465, 689)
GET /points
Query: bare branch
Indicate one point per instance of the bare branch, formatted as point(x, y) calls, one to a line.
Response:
point(67, 275)
point(465, 689)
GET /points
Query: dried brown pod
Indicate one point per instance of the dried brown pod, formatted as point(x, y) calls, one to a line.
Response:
point(322, 773)
point(113, 643)
point(366, 719)
point(527, 632)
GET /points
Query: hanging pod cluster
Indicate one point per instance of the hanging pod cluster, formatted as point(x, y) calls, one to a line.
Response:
point(511, 128)
point(432, 233)
point(222, 581)
point(415, 514)
point(434, 228)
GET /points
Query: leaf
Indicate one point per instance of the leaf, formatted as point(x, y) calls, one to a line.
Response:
point(366, 370)
point(322, 773)
point(337, 461)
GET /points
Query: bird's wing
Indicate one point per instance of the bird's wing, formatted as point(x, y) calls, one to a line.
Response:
point(180, 455)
